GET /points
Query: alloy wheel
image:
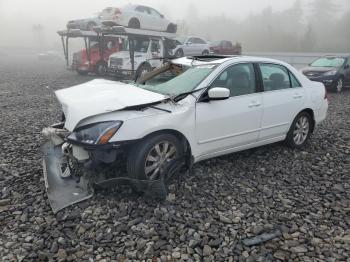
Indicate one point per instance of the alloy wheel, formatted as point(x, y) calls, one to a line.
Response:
point(301, 130)
point(157, 159)
point(339, 85)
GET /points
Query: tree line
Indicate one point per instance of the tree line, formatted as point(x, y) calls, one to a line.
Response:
point(320, 26)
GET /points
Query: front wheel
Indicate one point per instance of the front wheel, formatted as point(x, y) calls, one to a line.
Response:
point(101, 68)
point(179, 53)
point(300, 131)
point(149, 159)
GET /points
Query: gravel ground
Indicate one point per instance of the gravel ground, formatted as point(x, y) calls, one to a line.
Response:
point(302, 197)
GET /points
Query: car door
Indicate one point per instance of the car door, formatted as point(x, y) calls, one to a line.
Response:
point(283, 98)
point(189, 46)
point(235, 122)
point(157, 20)
point(200, 46)
point(143, 14)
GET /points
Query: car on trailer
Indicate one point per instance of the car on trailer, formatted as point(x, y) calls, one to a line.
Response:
point(332, 71)
point(137, 17)
point(206, 107)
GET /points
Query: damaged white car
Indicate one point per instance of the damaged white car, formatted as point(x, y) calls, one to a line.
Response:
point(190, 110)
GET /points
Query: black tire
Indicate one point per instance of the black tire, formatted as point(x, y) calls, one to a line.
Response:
point(136, 162)
point(82, 73)
point(205, 52)
point(172, 28)
point(144, 68)
point(339, 85)
point(90, 26)
point(179, 53)
point(101, 68)
point(291, 136)
point(134, 23)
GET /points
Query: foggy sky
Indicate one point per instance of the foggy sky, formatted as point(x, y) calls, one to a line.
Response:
point(17, 17)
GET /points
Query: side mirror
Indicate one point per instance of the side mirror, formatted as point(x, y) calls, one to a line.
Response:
point(218, 93)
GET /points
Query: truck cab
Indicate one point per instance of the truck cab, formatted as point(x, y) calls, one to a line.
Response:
point(91, 61)
point(148, 54)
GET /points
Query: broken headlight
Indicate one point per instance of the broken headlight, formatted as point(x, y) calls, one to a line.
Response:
point(96, 134)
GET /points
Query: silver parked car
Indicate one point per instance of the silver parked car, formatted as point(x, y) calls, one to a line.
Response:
point(190, 46)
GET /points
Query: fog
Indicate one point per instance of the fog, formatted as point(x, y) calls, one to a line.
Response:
point(259, 25)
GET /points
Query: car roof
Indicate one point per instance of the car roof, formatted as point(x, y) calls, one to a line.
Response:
point(216, 59)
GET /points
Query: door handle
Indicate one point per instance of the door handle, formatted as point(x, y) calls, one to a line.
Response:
point(254, 104)
point(297, 96)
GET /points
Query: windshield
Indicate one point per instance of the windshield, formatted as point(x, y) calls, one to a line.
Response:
point(181, 40)
point(140, 45)
point(185, 82)
point(329, 62)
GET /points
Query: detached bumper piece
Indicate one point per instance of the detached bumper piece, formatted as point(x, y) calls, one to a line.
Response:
point(65, 188)
point(62, 187)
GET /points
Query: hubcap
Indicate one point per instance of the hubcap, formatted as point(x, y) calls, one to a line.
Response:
point(157, 159)
point(340, 85)
point(301, 130)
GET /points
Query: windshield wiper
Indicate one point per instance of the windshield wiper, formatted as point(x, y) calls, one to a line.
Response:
point(179, 97)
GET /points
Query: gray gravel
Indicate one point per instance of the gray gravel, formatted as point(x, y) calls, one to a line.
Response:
point(302, 194)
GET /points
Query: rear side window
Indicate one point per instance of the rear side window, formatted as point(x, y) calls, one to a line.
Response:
point(199, 41)
point(277, 77)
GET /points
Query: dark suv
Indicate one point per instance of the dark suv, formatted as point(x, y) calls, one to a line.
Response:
point(332, 71)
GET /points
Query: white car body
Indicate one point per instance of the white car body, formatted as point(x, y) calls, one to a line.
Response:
point(146, 17)
point(120, 63)
point(211, 128)
point(191, 46)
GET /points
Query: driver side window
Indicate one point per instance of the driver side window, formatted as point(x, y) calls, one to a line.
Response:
point(239, 79)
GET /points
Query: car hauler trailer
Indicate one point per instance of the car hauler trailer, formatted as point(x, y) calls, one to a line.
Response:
point(104, 34)
point(143, 51)
point(94, 58)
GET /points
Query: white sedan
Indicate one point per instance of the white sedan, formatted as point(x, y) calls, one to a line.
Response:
point(137, 16)
point(212, 107)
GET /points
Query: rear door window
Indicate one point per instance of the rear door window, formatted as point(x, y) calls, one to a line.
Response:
point(275, 77)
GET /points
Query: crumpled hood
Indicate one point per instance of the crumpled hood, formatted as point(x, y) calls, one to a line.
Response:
point(101, 96)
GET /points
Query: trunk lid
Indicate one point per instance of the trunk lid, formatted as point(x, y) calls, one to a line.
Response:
point(101, 96)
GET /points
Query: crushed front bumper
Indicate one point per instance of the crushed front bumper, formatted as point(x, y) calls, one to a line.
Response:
point(62, 187)
point(70, 177)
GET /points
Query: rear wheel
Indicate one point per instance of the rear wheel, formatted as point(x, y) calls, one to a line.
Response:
point(300, 130)
point(171, 28)
point(134, 23)
point(148, 159)
point(339, 85)
point(205, 52)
